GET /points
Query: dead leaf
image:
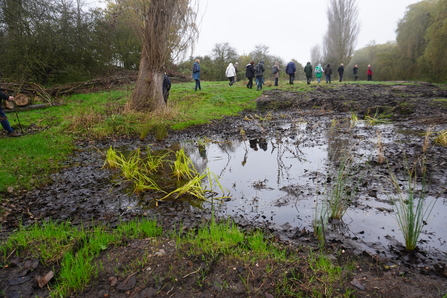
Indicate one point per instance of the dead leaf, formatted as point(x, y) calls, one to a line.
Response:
point(43, 280)
point(357, 284)
point(113, 280)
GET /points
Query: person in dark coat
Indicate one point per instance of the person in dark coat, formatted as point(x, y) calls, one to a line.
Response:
point(328, 72)
point(369, 72)
point(341, 70)
point(291, 70)
point(166, 87)
point(4, 120)
point(259, 71)
point(308, 71)
point(250, 74)
point(196, 74)
point(355, 70)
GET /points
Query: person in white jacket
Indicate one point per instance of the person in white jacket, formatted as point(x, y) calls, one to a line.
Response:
point(230, 73)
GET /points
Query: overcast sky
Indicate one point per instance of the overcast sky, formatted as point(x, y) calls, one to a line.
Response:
point(290, 28)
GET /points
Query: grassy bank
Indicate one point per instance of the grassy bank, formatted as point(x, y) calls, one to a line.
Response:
point(50, 133)
point(217, 255)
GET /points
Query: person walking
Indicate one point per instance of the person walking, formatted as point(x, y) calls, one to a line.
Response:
point(319, 72)
point(291, 70)
point(355, 70)
point(166, 87)
point(308, 71)
point(4, 120)
point(230, 73)
point(341, 70)
point(260, 68)
point(236, 69)
point(250, 73)
point(369, 72)
point(196, 74)
point(275, 72)
point(328, 72)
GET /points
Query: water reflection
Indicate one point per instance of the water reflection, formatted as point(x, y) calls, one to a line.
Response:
point(276, 179)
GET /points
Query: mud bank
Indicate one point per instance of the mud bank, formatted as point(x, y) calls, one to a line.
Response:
point(86, 192)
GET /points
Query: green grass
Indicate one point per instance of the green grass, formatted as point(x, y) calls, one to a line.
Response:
point(75, 248)
point(27, 161)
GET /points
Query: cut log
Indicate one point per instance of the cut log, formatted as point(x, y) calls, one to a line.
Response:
point(9, 104)
point(21, 100)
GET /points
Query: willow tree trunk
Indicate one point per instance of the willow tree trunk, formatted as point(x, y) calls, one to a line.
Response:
point(148, 92)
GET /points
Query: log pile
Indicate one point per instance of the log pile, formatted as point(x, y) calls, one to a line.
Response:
point(26, 93)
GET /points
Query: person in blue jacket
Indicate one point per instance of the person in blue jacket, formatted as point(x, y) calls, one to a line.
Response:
point(291, 70)
point(196, 74)
point(4, 120)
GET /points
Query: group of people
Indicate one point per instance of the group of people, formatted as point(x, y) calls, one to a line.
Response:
point(257, 72)
point(319, 71)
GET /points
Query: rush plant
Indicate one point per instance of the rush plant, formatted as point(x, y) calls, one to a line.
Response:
point(343, 190)
point(441, 138)
point(411, 207)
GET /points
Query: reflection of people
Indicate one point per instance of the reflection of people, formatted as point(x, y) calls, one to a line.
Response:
point(369, 72)
point(263, 144)
point(291, 70)
point(253, 144)
point(196, 74)
point(230, 73)
point(319, 72)
point(308, 71)
point(341, 70)
point(166, 87)
point(328, 72)
point(4, 120)
point(355, 70)
point(250, 74)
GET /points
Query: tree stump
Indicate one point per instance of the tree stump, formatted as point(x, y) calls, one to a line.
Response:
point(21, 100)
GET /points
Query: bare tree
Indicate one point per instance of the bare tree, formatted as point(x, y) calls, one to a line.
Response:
point(315, 55)
point(167, 29)
point(342, 32)
point(223, 54)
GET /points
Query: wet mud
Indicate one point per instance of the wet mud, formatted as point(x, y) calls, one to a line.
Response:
point(86, 192)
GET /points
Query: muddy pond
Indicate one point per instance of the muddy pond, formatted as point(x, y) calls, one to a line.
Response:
point(276, 164)
point(277, 180)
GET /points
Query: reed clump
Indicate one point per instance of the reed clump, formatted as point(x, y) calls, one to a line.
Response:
point(376, 118)
point(411, 207)
point(441, 138)
point(169, 174)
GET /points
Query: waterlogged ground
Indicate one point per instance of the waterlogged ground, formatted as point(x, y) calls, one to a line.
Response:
point(276, 163)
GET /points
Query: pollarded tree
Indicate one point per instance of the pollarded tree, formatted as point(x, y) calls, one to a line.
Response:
point(342, 32)
point(167, 29)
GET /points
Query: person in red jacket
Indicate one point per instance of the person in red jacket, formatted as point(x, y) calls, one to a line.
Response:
point(369, 72)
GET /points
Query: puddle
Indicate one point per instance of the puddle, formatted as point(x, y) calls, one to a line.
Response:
point(275, 180)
